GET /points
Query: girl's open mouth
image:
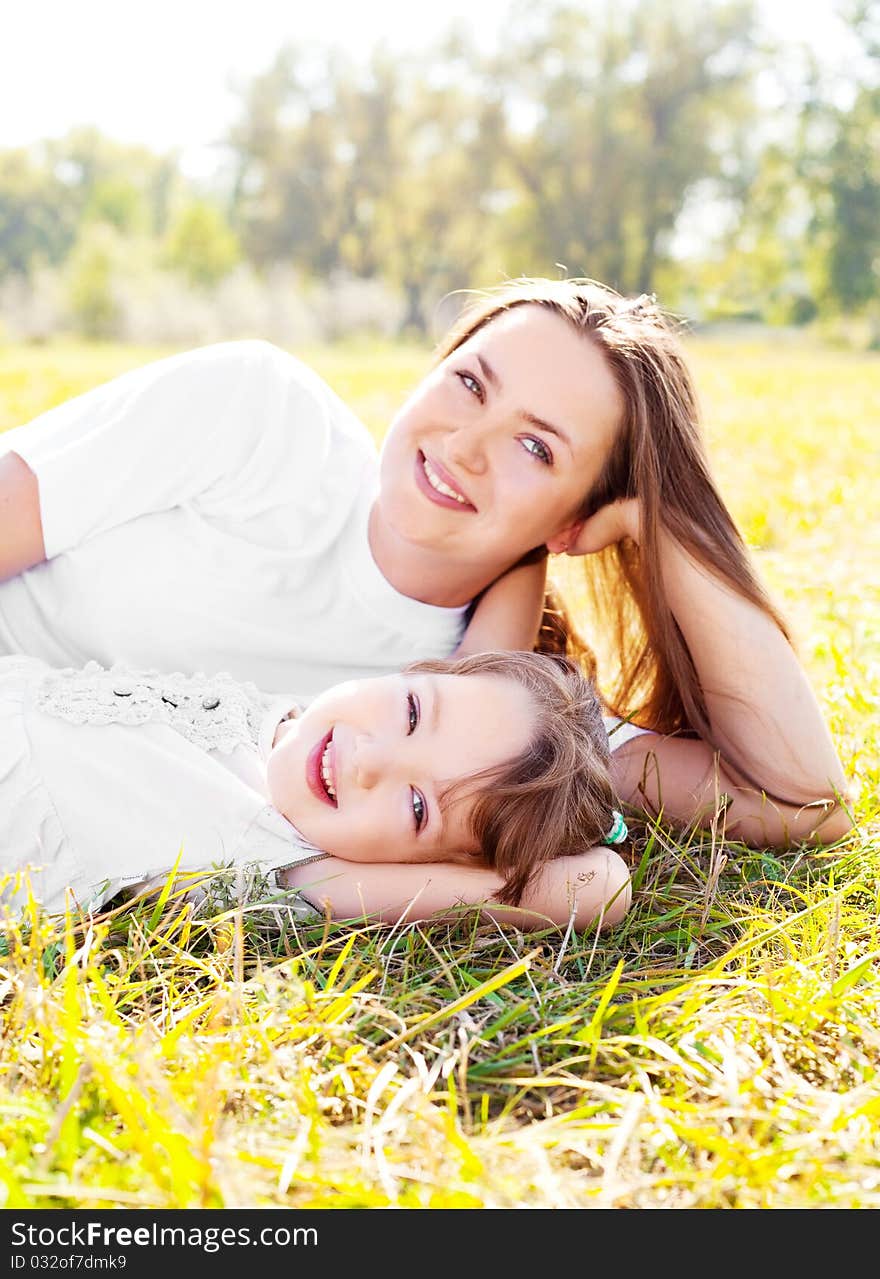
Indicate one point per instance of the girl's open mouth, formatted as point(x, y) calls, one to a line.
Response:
point(321, 770)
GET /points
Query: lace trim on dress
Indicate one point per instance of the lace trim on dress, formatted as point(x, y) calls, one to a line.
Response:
point(214, 712)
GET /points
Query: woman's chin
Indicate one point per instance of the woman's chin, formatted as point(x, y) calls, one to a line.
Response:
point(410, 545)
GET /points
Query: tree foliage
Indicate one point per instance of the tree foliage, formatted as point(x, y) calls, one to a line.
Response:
point(370, 171)
point(37, 220)
point(200, 244)
point(592, 142)
point(625, 110)
point(854, 179)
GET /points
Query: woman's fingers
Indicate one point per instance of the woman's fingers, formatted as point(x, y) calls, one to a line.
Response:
point(609, 524)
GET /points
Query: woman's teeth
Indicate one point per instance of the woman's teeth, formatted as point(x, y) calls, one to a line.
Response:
point(436, 483)
point(326, 775)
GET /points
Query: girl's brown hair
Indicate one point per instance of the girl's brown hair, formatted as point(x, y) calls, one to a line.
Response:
point(556, 797)
point(660, 458)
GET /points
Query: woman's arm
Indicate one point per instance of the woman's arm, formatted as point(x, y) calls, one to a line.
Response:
point(764, 716)
point(592, 886)
point(509, 613)
point(21, 530)
point(688, 783)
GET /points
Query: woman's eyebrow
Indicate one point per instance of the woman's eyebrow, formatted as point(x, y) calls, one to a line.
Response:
point(494, 381)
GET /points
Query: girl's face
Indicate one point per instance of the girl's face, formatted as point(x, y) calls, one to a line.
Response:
point(362, 771)
point(496, 449)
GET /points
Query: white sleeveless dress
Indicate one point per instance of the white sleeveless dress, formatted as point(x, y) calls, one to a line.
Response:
point(107, 776)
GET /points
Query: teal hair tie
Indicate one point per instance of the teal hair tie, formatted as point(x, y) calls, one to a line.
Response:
point(618, 831)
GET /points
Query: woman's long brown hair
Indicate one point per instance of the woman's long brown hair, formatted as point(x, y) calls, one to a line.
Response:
point(659, 457)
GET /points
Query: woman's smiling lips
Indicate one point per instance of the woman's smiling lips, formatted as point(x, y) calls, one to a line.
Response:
point(435, 470)
point(313, 769)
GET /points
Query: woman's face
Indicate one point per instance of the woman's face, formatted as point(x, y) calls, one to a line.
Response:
point(362, 771)
point(496, 449)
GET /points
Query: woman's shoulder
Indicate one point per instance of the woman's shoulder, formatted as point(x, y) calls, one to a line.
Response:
point(279, 379)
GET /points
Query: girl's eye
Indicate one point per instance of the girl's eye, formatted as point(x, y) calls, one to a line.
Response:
point(419, 809)
point(538, 449)
point(471, 384)
point(413, 712)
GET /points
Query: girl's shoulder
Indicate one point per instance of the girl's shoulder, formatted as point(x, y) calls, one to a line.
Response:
point(621, 731)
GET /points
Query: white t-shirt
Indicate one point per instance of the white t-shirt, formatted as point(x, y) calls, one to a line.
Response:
point(209, 512)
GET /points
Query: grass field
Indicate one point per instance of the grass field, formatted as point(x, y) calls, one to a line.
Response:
point(720, 1048)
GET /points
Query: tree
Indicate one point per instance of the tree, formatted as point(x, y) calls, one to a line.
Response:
point(201, 245)
point(126, 186)
point(49, 191)
point(434, 216)
point(37, 218)
point(626, 109)
point(291, 147)
point(854, 177)
point(379, 170)
point(835, 171)
point(854, 188)
point(90, 278)
point(117, 202)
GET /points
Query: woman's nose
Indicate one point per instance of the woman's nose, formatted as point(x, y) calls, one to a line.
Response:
point(466, 448)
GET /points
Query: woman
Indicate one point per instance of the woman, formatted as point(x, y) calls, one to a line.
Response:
point(222, 511)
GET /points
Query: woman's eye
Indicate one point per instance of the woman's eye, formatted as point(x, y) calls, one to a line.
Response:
point(538, 449)
point(419, 810)
point(413, 712)
point(471, 384)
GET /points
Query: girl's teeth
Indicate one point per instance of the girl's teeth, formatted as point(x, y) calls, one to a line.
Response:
point(326, 774)
point(436, 483)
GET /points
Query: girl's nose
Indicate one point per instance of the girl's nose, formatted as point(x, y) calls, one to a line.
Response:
point(370, 760)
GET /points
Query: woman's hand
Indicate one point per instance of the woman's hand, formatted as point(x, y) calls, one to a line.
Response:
point(763, 715)
point(609, 525)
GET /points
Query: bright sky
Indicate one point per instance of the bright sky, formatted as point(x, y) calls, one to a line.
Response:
point(164, 72)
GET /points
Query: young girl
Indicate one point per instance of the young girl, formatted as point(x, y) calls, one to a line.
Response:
point(223, 510)
point(488, 768)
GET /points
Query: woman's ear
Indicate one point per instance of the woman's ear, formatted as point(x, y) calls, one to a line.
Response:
point(563, 541)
